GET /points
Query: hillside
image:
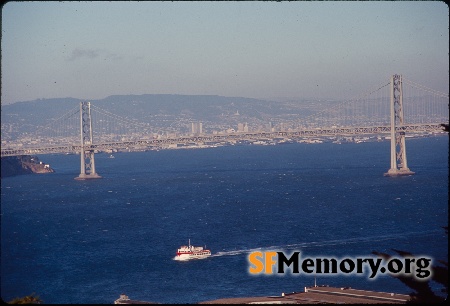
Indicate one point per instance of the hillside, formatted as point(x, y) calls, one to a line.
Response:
point(27, 115)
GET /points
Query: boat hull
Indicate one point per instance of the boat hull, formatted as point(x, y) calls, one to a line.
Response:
point(189, 256)
point(192, 256)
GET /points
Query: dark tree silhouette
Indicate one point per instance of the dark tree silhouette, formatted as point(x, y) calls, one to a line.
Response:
point(422, 291)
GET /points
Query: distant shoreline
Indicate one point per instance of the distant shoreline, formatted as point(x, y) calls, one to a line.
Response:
point(23, 164)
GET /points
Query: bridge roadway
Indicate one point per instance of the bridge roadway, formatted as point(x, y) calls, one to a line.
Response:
point(334, 131)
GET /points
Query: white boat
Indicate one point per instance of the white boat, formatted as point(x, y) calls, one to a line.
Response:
point(191, 252)
point(112, 156)
point(123, 299)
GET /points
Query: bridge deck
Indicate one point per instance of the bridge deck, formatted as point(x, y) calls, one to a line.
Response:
point(335, 131)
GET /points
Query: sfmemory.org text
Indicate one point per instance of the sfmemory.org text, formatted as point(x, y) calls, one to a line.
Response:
point(264, 262)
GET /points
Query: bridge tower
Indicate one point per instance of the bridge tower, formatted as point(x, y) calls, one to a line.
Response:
point(399, 165)
point(87, 150)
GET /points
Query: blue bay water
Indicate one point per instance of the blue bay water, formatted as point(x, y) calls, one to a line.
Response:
point(74, 241)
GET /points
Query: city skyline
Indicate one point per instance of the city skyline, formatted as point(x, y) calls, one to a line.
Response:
point(250, 49)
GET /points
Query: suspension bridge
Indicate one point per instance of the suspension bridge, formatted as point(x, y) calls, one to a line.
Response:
point(396, 108)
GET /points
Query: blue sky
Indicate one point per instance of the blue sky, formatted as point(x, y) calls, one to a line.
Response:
point(323, 50)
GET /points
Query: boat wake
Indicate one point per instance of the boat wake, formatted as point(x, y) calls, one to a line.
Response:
point(314, 244)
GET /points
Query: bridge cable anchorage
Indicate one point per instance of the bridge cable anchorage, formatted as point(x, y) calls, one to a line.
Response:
point(87, 150)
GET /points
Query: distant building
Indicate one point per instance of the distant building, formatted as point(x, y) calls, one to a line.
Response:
point(196, 128)
point(242, 127)
point(322, 295)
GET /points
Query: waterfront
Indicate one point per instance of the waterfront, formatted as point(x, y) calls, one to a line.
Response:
point(87, 242)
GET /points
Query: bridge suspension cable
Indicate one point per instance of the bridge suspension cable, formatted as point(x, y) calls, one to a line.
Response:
point(112, 127)
point(369, 111)
point(432, 91)
point(370, 107)
point(65, 126)
point(423, 104)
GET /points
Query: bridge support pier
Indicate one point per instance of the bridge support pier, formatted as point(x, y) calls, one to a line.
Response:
point(87, 151)
point(399, 165)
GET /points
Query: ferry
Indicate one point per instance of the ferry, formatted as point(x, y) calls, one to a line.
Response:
point(191, 252)
point(124, 299)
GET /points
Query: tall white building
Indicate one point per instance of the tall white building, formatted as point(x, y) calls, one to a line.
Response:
point(196, 128)
point(242, 127)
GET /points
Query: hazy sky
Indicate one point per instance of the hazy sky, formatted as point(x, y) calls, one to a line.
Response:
point(90, 50)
